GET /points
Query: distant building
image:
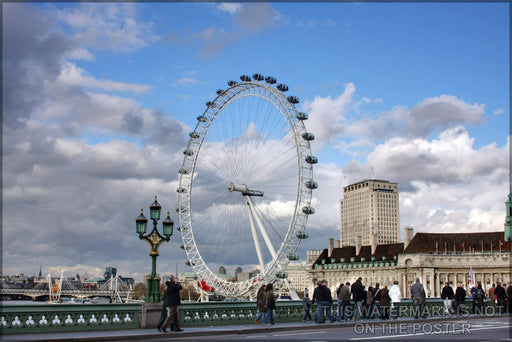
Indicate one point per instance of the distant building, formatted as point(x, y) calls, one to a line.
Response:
point(222, 270)
point(433, 258)
point(298, 275)
point(370, 207)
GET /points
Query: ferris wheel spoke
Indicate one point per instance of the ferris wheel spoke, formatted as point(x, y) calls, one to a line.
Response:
point(254, 234)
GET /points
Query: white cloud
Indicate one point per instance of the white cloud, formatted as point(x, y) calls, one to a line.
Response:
point(230, 7)
point(109, 27)
point(186, 81)
point(73, 76)
point(328, 116)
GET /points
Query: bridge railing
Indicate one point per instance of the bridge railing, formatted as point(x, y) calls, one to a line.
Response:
point(78, 317)
point(67, 317)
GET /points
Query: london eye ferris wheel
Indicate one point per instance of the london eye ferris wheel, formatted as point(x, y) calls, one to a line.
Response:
point(245, 185)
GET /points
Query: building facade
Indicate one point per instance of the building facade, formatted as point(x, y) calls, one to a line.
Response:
point(431, 257)
point(298, 276)
point(370, 207)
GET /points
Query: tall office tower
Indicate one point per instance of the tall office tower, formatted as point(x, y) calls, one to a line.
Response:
point(370, 206)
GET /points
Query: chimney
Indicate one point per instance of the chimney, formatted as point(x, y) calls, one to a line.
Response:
point(331, 246)
point(408, 232)
point(337, 244)
point(359, 242)
point(373, 242)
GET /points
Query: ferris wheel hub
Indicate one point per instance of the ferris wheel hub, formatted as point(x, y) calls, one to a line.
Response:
point(244, 190)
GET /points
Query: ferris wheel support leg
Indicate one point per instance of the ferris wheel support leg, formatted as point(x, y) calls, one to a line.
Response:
point(293, 293)
point(262, 230)
point(254, 235)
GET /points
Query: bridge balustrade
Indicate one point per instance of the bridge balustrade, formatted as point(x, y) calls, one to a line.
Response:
point(67, 317)
point(79, 317)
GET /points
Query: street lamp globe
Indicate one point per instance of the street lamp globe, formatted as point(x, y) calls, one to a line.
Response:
point(141, 223)
point(154, 210)
point(168, 224)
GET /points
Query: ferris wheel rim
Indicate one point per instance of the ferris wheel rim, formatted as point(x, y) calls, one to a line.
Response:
point(297, 225)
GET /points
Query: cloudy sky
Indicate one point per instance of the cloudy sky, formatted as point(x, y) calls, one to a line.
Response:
point(98, 101)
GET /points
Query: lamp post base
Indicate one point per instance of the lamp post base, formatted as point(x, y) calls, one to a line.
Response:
point(153, 290)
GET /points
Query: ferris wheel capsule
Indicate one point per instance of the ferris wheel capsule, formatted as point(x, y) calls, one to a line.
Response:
point(270, 79)
point(308, 210)
point(308, 136)
point(245, 78)
point(293, 99)
point(302, 235)
point(232, 83)
point(257, 77)
point(311, 160)
point(282, 87)
point(311, 184)
point(219, 91)
point(301, 116)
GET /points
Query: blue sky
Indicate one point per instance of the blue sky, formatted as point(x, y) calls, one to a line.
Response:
point(101, 97)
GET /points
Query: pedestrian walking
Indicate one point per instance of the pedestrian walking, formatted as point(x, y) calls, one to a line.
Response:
point(479, 299)
point(473, 296)
point(460, 297)
point(358, 297)
point(338, 297)
point(260, 301)
point(306, 304)
point(344, 298)
point(492, 296)
point(165, 304)
point(324, 298)
point(509, 296)
point(419, 298)
point(447, 295)
point(173, 294)
point(315, 299)
point(270, 302)
point(500, 293)
point(376, 299)
point(369, 302)
point(385, 301)
point(396, 296)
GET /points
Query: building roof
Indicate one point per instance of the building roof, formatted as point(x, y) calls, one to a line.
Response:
point(460, 242)
point(344, 254)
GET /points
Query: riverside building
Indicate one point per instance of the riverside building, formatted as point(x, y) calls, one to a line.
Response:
point(369, 209)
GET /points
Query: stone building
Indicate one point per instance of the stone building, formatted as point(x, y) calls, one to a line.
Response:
point(432, 257)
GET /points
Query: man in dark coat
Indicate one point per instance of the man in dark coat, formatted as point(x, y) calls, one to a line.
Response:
point(173, 293)
point(500, 293)
point(509, 296)
point(358, 296)
point(447, 296)
point(460, 297)
point(324, 299)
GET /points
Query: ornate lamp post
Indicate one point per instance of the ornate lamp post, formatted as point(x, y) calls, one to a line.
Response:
point(154, 238)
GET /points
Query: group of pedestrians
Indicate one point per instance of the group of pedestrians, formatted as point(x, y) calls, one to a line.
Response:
point(500, 299)
point(266, 301)
point(354, 302)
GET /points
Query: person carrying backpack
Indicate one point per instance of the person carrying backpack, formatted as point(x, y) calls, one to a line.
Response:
point(479, 299)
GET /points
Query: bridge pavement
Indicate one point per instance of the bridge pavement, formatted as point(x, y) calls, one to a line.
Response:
point(211, 331)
